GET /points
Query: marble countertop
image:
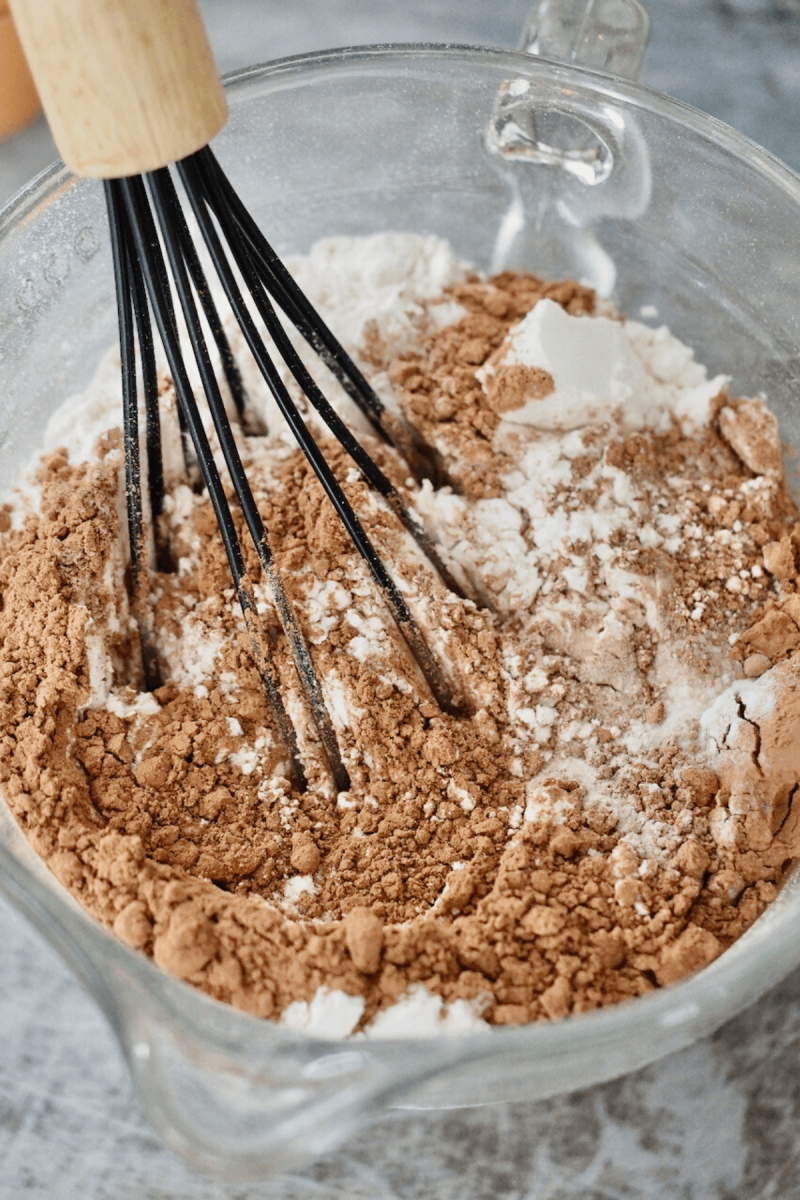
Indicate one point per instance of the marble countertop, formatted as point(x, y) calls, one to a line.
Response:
point(720, 1120)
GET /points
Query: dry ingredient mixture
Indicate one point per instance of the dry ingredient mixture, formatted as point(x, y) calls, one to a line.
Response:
point(615, 806)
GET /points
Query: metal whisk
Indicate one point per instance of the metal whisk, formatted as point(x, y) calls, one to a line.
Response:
point(138, 211)
point(153, 253)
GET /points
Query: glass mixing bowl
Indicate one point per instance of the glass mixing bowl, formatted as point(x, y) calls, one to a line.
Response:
point(520, 162)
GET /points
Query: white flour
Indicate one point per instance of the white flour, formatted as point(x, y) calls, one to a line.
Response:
point(546, 546)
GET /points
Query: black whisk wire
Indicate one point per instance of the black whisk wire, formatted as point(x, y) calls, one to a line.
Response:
point(221, 195)
point(149, 234)
point(140, 590)
point(405, 622)
point(198, 182)
point(144, 287)
point(248, 419)
point(166, 206)
point(147, 249)
point(154, 456)
point(285, 291)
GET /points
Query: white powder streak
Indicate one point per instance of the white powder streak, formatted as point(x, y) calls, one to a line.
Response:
point(418, 1014)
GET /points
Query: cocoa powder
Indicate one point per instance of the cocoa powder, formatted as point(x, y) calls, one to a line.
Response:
point(172, 820)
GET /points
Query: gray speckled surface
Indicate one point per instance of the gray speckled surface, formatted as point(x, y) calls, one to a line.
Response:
point(719, 1121)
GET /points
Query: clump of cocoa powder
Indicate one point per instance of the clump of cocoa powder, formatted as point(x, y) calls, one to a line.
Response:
point(173, 822)
point(442, 394)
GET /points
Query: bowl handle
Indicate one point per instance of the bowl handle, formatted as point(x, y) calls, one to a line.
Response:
point(607, 35)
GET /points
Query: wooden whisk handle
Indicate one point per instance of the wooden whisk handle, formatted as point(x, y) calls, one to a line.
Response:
point(127, 85)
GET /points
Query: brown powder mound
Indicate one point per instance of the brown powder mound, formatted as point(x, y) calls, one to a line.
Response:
point(511, 387)
point(157, 821)
point(441, 392)
point(752, 431)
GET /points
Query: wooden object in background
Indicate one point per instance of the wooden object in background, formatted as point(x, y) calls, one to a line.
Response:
point(19, 101)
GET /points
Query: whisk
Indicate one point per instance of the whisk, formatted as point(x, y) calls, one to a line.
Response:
point(130, 86)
